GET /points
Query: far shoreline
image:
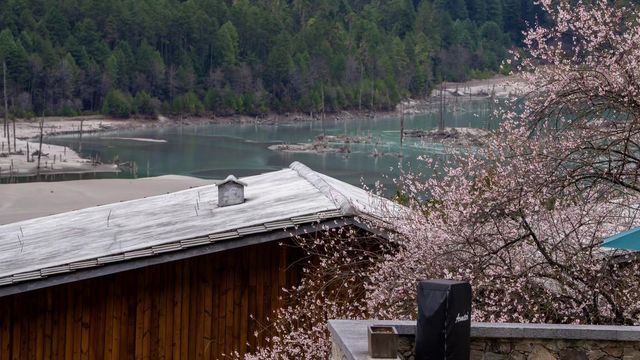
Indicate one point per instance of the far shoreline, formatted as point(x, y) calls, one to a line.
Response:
point(64, 160)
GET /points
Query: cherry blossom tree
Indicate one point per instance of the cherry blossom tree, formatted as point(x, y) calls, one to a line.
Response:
point(523, 216)
point(332, 287)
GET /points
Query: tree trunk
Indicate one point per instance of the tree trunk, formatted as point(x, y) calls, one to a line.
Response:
point(4, 125)
point(6, 110)
point(15, 147)
point(373, 93)
point(40, 145)
point(322, 94)
point(441, 122)
point(493, 94)
point(360, 87)
point(80, 141)
point(402, 127)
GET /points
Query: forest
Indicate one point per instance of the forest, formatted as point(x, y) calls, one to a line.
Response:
point(223, 57)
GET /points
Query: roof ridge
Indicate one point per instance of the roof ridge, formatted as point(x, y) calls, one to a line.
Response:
point(331, 193)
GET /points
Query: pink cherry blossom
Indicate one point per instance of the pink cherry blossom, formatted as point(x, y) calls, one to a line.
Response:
point(521, 217)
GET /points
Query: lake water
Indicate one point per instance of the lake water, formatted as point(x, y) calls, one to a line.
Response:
point(215, 151)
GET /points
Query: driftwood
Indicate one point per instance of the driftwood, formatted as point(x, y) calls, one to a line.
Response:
point(453, 135)
point(325, 144)
point(353, 139)
point(39, 153)
point(4, 155)
point(124, 165)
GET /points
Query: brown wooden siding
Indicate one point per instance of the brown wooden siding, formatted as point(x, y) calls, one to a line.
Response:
point(198, 308)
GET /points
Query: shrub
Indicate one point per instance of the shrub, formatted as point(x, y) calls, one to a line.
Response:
point(143, 104)
point(117, 104)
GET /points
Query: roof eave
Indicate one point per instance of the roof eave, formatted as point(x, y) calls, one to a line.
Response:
point(218, 246)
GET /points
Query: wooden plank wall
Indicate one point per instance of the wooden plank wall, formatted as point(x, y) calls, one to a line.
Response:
point(192, 309)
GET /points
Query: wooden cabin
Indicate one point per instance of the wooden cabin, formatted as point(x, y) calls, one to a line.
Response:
point(174, 276)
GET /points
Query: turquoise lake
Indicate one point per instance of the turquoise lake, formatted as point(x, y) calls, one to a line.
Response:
point(215, 151)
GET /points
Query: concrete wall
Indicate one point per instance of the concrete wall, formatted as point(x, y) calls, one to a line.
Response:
point(539, 349)
point(505, 341)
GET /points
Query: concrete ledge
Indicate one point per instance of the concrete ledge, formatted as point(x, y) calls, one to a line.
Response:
point(350, 336)
point(555, 331)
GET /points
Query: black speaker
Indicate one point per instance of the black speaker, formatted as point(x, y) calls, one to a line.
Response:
point(444, 320)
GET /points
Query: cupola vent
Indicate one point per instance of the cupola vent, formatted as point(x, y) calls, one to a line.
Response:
point(230, 191)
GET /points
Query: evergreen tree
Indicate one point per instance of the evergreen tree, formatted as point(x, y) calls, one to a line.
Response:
point(117, 104)
point(248, 56)
point(512, 19)
point(56, 25)
point(227, 42)
point(477, 10)
point(143, 104)
point(494, 11)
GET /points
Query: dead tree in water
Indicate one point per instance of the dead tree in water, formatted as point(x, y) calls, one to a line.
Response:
point(441, 122)
point(80, 140)
point(401, 127)
point(40, 145)
point(322, 95)
point(491, 102)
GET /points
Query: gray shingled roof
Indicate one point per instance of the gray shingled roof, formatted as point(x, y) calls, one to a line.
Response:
point(88, 238)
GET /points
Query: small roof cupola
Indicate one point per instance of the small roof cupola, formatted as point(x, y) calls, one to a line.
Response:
point(230, 191)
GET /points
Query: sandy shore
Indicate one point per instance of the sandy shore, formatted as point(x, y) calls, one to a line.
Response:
point(454, 94)
point(32, 200)
point(55, 159)
point(499, 86)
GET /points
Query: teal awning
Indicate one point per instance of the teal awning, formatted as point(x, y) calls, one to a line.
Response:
point(629, 240)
